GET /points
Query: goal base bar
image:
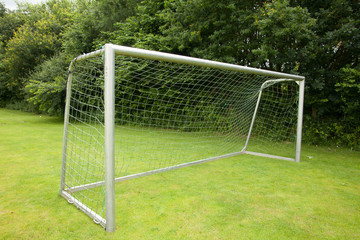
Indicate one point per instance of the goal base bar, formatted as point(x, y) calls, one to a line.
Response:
point(97, 218)
point(137, 175)
point(270, 156)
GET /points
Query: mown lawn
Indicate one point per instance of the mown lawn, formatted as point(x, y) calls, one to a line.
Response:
point(243, 197)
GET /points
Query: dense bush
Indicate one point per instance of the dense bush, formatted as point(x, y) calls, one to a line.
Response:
point(46, 85)
point(331, 132)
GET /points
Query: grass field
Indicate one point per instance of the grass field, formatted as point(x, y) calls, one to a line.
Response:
point(243, 197)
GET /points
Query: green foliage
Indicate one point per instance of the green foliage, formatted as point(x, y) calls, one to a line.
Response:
point(33, 42)
point(219, 30)
point(285, 36)
point(30, 46)
point(337, 46)
point(237, 32)
point(141, 30)
point(47, 84)
point(4, 92)
point(2, 9)
point(9, 22)
point(91, 19)
point(21, 106)
point(332, 133)
point(349, 90)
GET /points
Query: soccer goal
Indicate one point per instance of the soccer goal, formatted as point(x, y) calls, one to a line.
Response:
point(133, 112)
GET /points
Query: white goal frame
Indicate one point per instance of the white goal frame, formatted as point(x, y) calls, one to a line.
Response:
point(109, 52)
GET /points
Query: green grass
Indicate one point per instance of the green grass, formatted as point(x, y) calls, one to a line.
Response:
point(243, 197)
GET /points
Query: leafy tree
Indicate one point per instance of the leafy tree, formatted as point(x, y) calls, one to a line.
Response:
point(2, 9)
point(349, 90)
point(242, 32)
point(46, 85)
point(286, 36)
point(91, 19)
point(29, 47)
point(34, 42)
point(219, 30)
point(9, 22)
point(79, 37)
point(141, 30)
point(337, 46)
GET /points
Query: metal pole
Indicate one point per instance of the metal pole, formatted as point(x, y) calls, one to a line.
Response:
point(66, 126)
point(168, 57)
point(300, 120)
point(253, 120)
point(109, 99)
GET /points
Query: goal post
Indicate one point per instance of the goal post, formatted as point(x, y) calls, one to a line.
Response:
point(109, 96)
point(133, 112)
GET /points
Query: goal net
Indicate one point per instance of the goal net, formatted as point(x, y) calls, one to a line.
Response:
point(132, 112)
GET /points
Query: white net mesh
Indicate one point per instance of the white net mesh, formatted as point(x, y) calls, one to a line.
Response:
point(168, 114)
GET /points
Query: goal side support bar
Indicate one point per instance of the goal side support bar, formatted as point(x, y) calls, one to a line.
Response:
point(66, 125)
point(299, 122)
point(67, 112)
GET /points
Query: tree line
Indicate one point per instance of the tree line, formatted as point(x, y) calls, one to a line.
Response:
point(317, 39)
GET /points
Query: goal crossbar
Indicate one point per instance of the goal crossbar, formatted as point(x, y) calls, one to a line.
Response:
point(169, 57)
